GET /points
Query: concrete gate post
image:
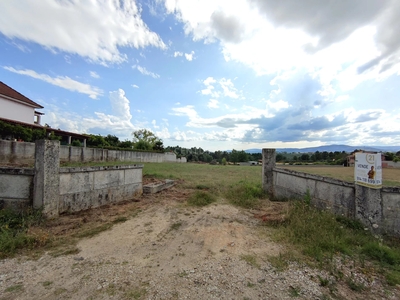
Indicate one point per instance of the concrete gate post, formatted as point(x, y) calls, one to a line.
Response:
point(369, 207)
point(46, 189)
point(268, 163)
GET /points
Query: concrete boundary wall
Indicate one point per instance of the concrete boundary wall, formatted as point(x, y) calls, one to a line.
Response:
point(377, 209)
point(58, 190)
point(24, 153)
point(16, 188)
point(84, 188)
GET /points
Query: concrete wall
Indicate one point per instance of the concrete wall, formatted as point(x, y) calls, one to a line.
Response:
point(24, 153)
point(16, 187)
point(376, 209)
point(17, 152)
point(326, 193)
point(57, 190)
point(390, 164)
point(84, 188)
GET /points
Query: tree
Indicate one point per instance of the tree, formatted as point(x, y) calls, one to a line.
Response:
point(144, 139)
point(112, 140)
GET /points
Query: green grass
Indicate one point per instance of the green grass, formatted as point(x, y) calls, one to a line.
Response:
point(200, 198)
point(245, 194)
point(321, 236)
point(13, 231)
point(15, 288)
point(251, 260)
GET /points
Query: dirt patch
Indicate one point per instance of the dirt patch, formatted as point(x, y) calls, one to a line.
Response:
point(164, 249)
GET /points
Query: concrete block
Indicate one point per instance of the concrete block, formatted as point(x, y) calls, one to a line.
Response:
point(157, 187)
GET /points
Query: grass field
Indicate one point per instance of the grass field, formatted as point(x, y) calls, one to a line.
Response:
point(391, 177)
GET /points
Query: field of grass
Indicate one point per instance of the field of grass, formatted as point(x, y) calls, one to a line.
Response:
point(391, 177)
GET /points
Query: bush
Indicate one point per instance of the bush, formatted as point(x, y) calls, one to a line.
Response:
point(76, 143)
point(200, 198)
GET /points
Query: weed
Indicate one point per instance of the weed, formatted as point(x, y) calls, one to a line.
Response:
point(249, 284)
point(93, 231)
point(393, 278)
point(47, 283)
point(120, 220)
point(202, 187)
point(64, 251)
point(323, 281)
point(175, 226)
point(59, 291)
point(15, 288)
point(183, 274)
point(357, 287)
point(280, 262)
point(14, 231)
point(307, 198)
point(381, 253)
point(136, 293)
point(251, 260)
point(245, 194)
point(294, 291)
point(200, 198)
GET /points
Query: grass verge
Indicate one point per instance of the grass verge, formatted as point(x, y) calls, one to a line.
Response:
point(322, 236)
point(14, 231)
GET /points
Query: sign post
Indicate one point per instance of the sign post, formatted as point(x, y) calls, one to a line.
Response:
point(368, 170)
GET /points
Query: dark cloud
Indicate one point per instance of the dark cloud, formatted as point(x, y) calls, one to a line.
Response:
point(318, 124)
point(369, 116)
point(330, 20)
point(227, 28)
point(226, 123)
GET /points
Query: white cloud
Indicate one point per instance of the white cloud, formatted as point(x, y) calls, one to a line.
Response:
point(177, 53)
point(93, 29)
point(213, 103)
point(94, 74)
point(144, 71)
point(135, 86)
point(62, 81)
point(154, 123)
point(227, 88)
point(118, 121)
point(189, 56)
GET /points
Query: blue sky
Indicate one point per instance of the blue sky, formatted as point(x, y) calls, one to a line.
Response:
point(216, 74)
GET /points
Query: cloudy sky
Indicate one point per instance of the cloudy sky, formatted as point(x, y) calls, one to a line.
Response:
point(216, 74)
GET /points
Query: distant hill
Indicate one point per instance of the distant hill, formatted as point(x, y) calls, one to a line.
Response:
point(332, 148)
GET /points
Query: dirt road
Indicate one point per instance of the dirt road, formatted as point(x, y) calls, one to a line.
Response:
point(172, 251)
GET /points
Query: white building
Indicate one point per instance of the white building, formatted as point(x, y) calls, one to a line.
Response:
point(16, 107)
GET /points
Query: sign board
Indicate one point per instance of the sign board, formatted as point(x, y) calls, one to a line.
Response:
point(368, 170)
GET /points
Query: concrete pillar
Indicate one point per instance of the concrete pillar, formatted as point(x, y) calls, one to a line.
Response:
point(368, 207)
point(47, 178)
point(84, 143)
point(69, 140)
point(268, 163)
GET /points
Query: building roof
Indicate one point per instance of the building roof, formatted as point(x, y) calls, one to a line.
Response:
point(9, 92)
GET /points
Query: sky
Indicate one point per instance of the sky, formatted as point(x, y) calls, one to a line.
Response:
point(215, 74)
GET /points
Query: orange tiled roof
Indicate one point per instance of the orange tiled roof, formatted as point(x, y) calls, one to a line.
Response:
point(11, 93)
